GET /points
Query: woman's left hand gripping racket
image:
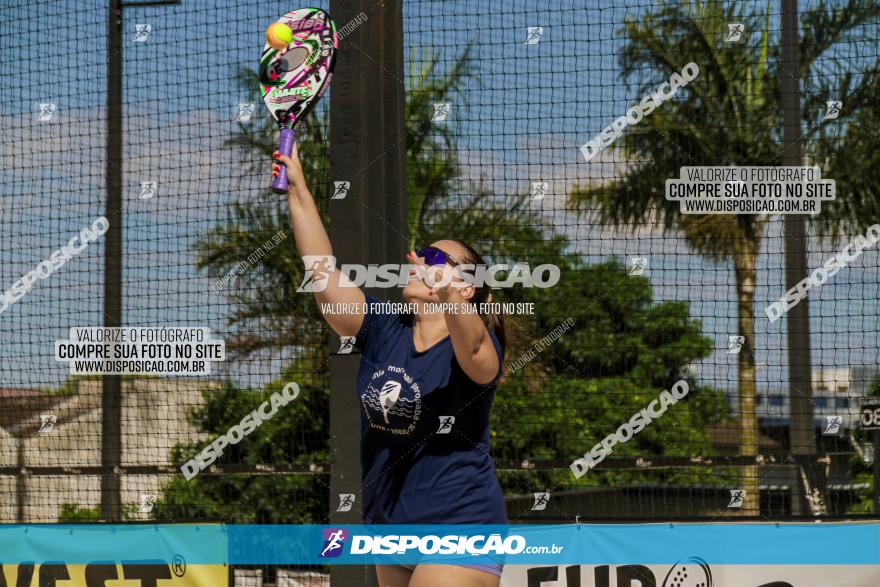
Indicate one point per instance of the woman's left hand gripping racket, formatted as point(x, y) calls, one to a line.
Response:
point(295, 69)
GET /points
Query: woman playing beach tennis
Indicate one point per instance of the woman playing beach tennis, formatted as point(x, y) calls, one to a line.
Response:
point(426, 384)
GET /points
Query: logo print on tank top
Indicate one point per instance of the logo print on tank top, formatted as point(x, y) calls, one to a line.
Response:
point(392, 401)
point(388, 396)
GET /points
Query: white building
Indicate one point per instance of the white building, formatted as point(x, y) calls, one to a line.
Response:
point(48, 443)
point(836, 392)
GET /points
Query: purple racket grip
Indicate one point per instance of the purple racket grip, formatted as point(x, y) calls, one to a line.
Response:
point(285, 147)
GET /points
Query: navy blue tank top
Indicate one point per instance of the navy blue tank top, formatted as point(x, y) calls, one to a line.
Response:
point(424, 430)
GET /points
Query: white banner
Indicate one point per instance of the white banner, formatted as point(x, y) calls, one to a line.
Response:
point(691, 572)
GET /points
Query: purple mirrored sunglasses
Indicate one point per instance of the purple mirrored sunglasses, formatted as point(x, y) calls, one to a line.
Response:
point(434, 256)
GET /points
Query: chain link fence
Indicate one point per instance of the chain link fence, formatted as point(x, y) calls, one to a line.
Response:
point(683, 367)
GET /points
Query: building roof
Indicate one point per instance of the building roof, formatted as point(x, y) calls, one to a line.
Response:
point(19, 392)
point(728, 435)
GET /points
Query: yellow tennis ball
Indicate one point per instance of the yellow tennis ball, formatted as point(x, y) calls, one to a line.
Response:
point(279, 36)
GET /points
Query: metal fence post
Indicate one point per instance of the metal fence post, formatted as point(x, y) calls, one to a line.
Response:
point(368, 149)
point(111, 395)
point(802, 435)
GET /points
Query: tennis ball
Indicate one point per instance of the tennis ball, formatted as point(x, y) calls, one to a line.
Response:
point(279, 36)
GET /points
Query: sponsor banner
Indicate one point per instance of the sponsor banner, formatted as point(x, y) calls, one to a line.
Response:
point(135, 573)
point(83, 544)
point(690, 572)
point(715, 544)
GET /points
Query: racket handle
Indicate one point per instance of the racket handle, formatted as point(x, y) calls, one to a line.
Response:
point(285, 147)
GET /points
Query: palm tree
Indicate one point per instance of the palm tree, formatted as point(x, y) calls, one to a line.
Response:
point(732, 117)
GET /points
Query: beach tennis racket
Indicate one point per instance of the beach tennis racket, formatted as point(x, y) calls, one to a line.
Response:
point(295, 70)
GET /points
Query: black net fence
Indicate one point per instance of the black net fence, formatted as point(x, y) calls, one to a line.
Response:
point(561, 127)
point(207, 259)
point(650, 342)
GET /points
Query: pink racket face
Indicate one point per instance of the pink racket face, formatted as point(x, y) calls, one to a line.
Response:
point(294, 78)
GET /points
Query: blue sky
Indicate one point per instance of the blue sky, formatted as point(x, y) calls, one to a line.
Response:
point(522, 117)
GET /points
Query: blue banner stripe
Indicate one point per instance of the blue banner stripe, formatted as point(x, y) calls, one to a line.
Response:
point(596, 544)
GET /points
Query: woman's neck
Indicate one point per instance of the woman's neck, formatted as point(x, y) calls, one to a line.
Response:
point(428, 330)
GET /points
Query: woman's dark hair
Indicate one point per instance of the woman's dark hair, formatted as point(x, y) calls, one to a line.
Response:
point(494, 321)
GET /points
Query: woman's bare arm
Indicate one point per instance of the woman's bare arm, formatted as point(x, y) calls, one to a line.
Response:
point(312, 241)
point(471, 342)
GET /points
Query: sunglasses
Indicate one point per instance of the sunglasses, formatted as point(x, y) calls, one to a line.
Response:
point(434, 256)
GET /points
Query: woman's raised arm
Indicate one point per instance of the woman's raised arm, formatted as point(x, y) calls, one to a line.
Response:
point(314, 246)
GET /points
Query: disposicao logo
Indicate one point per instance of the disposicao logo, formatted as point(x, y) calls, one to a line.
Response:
point(334, 539)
